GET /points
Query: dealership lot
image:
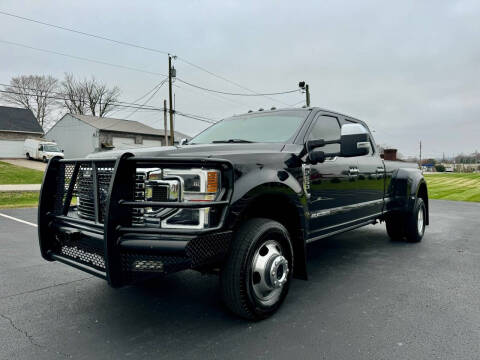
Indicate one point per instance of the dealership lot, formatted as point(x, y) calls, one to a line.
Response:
point(367, 298)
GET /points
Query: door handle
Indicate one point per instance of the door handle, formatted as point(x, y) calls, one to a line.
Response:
point(380, 172)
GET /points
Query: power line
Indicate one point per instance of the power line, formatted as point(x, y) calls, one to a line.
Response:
point(236, 94)
point(82, 58)
point(217, 96)
point(227, 80)
point(146, 94)
point(120, 42)
point(61, 95)
point(148, 108)
point(194, 117)
point(198, 116)
point(150, 98)
point(301, 101)
point(67, 99)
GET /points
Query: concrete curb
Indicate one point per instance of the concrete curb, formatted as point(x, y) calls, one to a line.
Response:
point(20, 187)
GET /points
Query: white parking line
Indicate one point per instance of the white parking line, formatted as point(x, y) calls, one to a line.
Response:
point(19, 220)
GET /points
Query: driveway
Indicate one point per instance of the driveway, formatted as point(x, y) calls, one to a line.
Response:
point(31, 164)
point(367, 298)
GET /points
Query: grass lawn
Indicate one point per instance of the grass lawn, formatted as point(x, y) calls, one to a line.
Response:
point(18, 199)
point(11, 174)
point(453, 186)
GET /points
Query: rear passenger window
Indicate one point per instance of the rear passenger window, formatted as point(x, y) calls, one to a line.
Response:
point(326, 128)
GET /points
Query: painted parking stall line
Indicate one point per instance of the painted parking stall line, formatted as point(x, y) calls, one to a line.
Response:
point(19, 220)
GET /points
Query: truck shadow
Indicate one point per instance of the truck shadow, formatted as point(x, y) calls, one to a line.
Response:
point(182, 315)
point(191, 302)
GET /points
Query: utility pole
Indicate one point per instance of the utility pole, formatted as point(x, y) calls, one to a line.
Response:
point(420, 153)
point(307, 92)
point(171, 74)
point(305, 87)
point(165, 121)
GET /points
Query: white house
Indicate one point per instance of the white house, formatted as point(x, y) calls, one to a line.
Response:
point(80, 135)
point(16, 125)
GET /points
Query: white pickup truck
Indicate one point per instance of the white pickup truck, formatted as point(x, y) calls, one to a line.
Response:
point(41, 149)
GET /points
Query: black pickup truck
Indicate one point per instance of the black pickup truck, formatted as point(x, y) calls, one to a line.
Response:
point(242, 198)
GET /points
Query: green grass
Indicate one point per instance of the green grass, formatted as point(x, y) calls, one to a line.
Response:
point(454, 186)
point(18, 199)
point(11, 174)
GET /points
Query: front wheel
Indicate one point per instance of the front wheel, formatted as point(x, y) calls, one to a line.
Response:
point(45, 160)
point(258, 270)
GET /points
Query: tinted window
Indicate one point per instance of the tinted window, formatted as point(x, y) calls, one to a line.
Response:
point(270, 127)
point(370, 150)
point(326, 128)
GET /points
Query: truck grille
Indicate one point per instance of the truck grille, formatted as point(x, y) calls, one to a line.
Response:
point(85, 191)
point(160, 193)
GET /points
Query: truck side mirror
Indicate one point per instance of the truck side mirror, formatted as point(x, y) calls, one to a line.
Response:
point(354, 141)
point(316, 156)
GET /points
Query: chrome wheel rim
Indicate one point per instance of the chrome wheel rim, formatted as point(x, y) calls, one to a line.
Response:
point(420, 221)
point(269, 272)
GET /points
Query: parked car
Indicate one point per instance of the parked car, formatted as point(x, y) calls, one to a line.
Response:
point(243, 199)
point(41, 149)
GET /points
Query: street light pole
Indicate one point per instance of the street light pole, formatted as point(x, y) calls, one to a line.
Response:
point(302, 85)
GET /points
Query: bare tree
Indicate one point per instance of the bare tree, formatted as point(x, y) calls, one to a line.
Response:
point(75, 96)
point(33, 92)
point(89, 96)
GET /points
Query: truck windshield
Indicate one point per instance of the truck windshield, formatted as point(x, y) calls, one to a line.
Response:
point(271, 127)
point(51, 148)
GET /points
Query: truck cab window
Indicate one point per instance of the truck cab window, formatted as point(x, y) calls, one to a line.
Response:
point(326, 128)
point(371, 150)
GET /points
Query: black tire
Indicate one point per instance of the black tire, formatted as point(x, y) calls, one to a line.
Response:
point(45, 160)
point(237, 278)
point(405, 226)
point(27, 155)
point(415, 222)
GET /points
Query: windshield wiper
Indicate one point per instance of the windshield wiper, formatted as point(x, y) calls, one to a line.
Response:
point(238, 141)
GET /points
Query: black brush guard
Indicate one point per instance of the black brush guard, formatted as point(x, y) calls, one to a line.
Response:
point(111, 246)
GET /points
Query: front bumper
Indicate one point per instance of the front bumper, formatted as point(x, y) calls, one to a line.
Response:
point(112, 247)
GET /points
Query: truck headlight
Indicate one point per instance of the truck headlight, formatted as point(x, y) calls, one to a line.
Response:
point(192, 185)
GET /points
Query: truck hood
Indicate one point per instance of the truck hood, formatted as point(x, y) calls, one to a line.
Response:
point(201, 150)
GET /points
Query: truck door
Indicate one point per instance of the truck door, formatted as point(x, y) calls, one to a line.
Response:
point(333, 183)
point(370, 184)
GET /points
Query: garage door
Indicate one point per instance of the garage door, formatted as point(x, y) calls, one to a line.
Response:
point(123, 143)
point(151, 143)
point(11, 148)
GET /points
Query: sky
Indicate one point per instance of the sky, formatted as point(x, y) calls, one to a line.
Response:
point(410, 69)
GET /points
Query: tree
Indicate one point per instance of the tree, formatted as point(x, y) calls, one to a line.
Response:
point(89, 96)
point(33, 92)
point(75, 95)
point(440, 168)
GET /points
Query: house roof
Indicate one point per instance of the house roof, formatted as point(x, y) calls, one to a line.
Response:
point(20, 120)
point(125, 126)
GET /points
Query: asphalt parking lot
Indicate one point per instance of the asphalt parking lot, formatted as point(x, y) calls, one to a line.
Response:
point(367, 298)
